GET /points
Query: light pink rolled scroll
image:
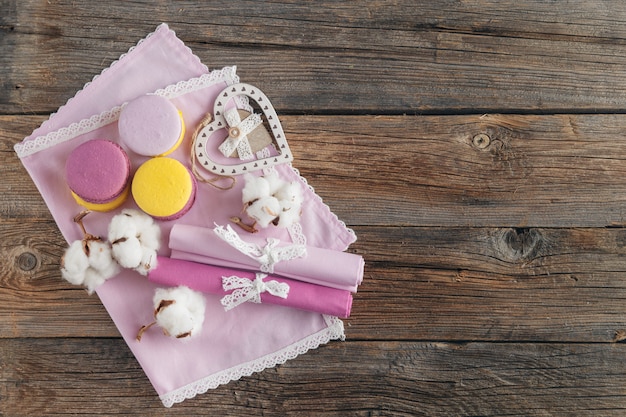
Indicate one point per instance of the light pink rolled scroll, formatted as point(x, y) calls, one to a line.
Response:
point(209, 279)
point(325, 267)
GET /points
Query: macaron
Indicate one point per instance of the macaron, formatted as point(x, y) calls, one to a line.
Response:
point(98, 175)
point(151, 125)
point(164, 188)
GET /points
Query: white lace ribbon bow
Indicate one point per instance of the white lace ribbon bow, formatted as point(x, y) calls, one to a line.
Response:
point(266, 256)
point(246, 289)
point(237, 134)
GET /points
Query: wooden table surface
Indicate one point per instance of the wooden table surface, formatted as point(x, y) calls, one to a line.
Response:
point(477, 148)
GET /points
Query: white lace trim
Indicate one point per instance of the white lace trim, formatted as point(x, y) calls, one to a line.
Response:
point(40, 143)
point(246, 289)
point(162, 25)
point(240, 141)
point(334, 331)
point(296, 232)
point(268, 255)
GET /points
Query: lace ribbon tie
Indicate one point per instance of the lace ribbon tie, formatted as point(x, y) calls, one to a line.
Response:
point(248, 290)
point(237, 134)
point(268, 255)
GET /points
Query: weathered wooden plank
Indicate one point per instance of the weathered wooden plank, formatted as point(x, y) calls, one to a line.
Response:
point(476, 56)
point(491, 284)
point(491, 170)
point(100, 377)
point(535, 173)
point(544, 171)
point(420, 284)
point(35, 299)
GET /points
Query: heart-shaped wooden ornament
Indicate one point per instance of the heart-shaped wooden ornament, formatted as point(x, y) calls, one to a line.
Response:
point(227, 135)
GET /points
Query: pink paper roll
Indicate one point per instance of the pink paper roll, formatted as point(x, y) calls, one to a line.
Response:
point(208, 279)
point(325, 267)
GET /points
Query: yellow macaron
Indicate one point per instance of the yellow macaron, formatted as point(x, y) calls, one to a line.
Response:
point(164, 188)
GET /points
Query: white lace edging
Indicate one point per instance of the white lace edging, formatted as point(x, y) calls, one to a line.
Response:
point(163, 26)
point(294, 233)
point(334, 331)
point(40, 143)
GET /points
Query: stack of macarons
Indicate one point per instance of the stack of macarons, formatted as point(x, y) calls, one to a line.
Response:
point(98, 175)
point(98, 171)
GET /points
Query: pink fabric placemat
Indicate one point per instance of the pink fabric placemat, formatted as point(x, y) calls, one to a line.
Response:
point(224, 350)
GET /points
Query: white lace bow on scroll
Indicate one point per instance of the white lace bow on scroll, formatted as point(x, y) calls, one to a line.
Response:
point(247, 290)
point(225, 146)
point(266, 256)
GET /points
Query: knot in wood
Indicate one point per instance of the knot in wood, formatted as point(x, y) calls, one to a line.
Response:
point(27, 261)
point(519, 244)
point(481, 141)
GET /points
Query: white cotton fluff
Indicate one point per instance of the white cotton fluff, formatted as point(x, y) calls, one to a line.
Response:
point(179, 311)
point(270, 199)
point(135, 239)
point(90, 270)
point(289, 193)
point(290, 198)
point(254, 188)
point(275, 183)
point(264, 210)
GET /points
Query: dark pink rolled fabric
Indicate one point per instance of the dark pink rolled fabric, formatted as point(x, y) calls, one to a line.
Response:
point(326, 267)
point(208, 279)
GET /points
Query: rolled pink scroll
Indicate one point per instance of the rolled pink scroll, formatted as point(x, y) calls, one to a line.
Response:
point(325, 267)
point(209, 279)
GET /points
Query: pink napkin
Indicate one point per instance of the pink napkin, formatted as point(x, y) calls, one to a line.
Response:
point(319, 266)
point(178, 370)
point(208, 279)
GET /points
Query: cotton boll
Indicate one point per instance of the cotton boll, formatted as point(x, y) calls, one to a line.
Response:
point(88, 262)
point(179, 311)
point(128, 252)
point(289, 215)
point(148, 262)
point(290, 198)
point(135, 239)
point(74, 263)
point(264, 210)
point(122, 226)
point(100, 258)
point(150, 236)
point(275, 183)
point(140, 220)
point(254, 188)
point(94, 278)
point(148, 232)
point(290, 195)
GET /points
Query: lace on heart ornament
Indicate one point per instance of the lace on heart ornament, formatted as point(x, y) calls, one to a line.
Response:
point(223, 146)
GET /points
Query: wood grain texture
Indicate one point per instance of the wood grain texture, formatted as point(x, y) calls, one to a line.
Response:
point(476, 147)
point(429, 243)
point(53, 377)
point(391, 57)
point(546, 171)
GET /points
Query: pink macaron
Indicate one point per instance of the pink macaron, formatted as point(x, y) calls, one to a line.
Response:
point(98, 174)
point(151, 125)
